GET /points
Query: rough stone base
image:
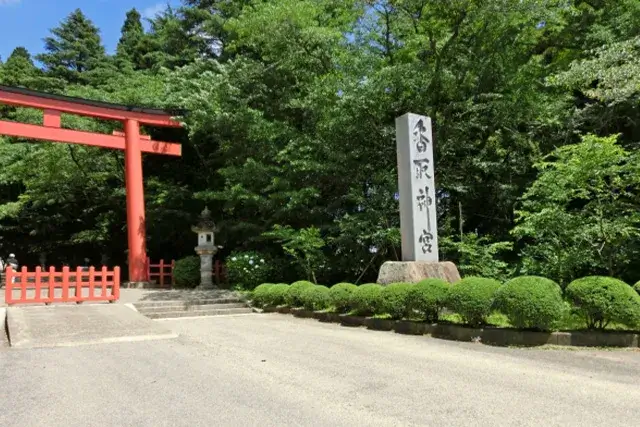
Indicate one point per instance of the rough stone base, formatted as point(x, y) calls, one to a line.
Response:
point(415, 271)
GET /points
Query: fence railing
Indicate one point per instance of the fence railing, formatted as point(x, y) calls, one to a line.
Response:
point(162, 272)
point(50, 286)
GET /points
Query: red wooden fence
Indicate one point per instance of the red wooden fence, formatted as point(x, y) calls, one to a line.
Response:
point(61, 286)
point(163, 272)
point(160, 272)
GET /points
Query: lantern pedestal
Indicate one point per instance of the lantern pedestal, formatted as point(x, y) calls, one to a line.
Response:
point(206, 266)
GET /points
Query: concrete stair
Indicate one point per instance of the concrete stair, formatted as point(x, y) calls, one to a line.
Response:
point(203, 307)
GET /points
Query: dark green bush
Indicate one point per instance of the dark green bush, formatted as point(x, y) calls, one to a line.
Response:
point(315, 297)
point(367, 299)
point(260, 294)
point(276, 295)
point(340, 295)
point(531, 302)
point(295, 291)
point(602, 300)
point(186, 272)
point(472, 298)
point(394, 299)
point(427, 297)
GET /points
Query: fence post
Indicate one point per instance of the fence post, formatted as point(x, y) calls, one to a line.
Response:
point(38, 283)
point(116, 284)
point(161, 273)
point(23, 283)
point(52, 284)
point(92, 273)
point(78, 285)
point(103, 281)
point(65, 283)
point(8, 292)
point(173, 278)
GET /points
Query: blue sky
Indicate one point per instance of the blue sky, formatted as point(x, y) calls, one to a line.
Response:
point(27, 22)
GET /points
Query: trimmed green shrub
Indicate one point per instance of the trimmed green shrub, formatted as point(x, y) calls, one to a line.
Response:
point(531, 302)
point(367, 299)
point(260, 294)
point(340, 295)
point(427, 298)
point(293, 297)
point(186, 272)
point(637, 287)
point(276, 295)
point(394, 299)
point(315, 297)
point(601, 300)
point(472, 298)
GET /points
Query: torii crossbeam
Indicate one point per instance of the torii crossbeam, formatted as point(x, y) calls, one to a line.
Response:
point(130, 141)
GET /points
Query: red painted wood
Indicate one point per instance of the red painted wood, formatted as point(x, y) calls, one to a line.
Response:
point(162, 272)
point(136, 227)
point(32, 101)
point(65, 283)
point(92, 283)
point(23, 130)
point(80, 281)
point(51, 118)
point(142, 137)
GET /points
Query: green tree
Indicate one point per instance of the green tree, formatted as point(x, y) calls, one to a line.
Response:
point(581, 216)
point(129, 47)
point(74, 48)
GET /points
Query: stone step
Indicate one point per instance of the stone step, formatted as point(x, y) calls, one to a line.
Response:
point(198, 313)
point(203, 301)
point(187, 307)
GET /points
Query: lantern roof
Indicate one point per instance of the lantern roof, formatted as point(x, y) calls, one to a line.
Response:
point(205, 223)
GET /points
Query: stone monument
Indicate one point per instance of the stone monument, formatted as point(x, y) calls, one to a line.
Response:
point(206, 248)
point(418, 218)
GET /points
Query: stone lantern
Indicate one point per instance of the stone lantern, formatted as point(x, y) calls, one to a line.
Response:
point(206, 248)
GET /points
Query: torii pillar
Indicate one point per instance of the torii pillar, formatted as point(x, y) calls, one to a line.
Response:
point(130, 141)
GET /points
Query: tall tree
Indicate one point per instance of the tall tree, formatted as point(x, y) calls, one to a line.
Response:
point(129, 46)
point(74, 48)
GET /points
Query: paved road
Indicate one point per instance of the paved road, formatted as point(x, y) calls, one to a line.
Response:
point(274, 370)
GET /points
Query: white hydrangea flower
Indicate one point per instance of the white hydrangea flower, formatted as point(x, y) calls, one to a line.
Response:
point(246, 256)
point(250, 262)
point(234, 259)
point(261, 260)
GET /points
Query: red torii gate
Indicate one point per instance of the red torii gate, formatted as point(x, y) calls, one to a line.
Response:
point(130, 141)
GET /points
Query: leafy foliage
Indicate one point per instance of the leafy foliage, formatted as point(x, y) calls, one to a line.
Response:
point(531, 302)
point(186, 272)
point(472, 298)
point(367, 299)
point(315, 297)
point(427, 298)
point(260, 294)
point(247, 269)
point(341, 296)
point(277, 294)
point(290, 127)
point(581, 214)
point(294, 293)
point(394, 299)
point(602, 300)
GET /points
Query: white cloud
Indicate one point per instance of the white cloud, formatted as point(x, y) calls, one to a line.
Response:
point(150, 12)
point(8, 2)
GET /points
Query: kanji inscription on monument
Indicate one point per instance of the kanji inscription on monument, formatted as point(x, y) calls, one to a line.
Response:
point(416, 185)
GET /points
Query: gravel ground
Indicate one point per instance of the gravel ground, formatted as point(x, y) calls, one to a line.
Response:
point(275, 370)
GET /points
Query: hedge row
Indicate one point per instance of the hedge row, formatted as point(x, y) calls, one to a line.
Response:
point(529, 302)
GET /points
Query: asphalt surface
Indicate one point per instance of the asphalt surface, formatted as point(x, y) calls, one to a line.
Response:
point(275, 370)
